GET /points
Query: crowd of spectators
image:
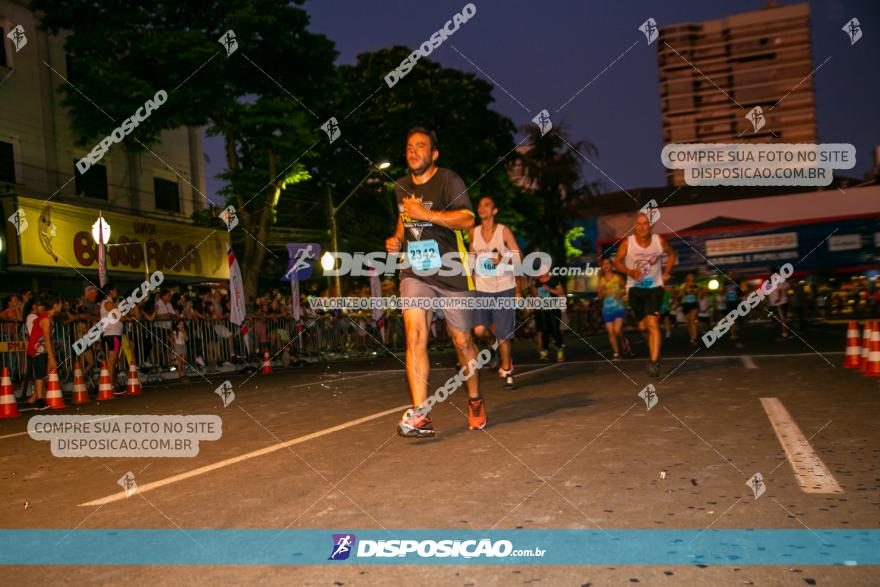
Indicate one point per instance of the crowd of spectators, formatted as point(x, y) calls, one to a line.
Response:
point(189, 327)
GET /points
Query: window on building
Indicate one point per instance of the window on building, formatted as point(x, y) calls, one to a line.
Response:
point(3, 61)
point(92, 183)
point(7, 163)
point(167, 195)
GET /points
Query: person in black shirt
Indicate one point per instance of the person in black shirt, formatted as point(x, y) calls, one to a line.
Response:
point(547, 321)
point(434, 210)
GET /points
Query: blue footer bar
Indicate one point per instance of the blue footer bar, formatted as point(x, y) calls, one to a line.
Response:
point(385, 547)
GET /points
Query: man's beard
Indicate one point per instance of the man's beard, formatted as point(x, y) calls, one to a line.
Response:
point(422, 168)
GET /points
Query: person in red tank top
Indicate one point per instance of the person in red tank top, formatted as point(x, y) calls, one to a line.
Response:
point(40, 348)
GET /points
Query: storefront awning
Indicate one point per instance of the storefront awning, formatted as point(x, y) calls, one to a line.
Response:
point(57, 235)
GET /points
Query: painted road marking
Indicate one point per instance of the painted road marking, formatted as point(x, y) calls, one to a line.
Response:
point(748, 363)
point(243, 457)
point(537, 370)
point(326, 381)
point(25, 432)
point(809, 470)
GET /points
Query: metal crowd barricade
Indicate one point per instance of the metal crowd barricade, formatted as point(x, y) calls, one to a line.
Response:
point(210, 343)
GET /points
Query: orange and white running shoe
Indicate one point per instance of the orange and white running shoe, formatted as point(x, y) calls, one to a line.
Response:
point(476, 413)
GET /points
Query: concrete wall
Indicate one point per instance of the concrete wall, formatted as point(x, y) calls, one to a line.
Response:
point(33, 120)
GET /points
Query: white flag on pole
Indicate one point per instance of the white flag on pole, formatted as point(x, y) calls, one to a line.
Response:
point(237, 313)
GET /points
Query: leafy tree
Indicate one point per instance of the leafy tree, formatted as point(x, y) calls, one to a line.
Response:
point(475, 141)
point(264, 98)
point(552, 173)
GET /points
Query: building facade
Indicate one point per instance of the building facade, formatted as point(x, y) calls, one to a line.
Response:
point(714, 73)
point(150, 192)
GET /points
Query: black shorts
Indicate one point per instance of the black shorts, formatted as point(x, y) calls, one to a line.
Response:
point(688, 308)
point(645, 301)
point(112, 342)
point(40, 366)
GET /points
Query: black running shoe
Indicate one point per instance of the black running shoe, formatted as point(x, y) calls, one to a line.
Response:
point(653, 368)
point(508, 380)
point(415, 425)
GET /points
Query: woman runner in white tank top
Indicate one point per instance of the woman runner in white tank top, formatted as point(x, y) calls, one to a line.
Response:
point(489, 277)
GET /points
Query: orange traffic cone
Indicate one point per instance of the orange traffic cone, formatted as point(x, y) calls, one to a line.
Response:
point(267, 366)
point(105, 388)
point(8, 409)
point(866, 346)
point(853, 356)
point(80, 393)
point(53, 392)
point(134, 383)
point(873, 368)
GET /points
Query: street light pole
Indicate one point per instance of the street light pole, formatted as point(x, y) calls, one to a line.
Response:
point(335, 209)
point(335, 244)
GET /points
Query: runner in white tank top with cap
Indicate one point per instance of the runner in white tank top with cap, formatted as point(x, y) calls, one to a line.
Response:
point(493, 246)
point(639, 257)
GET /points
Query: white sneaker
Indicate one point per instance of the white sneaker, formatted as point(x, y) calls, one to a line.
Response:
point(200, 361)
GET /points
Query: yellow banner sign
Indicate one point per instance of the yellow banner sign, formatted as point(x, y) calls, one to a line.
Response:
point(13, 347)
point(60, 235)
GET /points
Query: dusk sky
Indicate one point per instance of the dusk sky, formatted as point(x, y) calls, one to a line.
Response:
point(543, 54)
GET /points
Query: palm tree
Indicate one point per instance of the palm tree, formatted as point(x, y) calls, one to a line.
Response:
point(550, 168)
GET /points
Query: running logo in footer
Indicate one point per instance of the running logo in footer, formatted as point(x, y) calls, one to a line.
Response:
point(343, 544)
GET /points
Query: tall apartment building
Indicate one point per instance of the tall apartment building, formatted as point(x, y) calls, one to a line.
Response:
point(713, 73)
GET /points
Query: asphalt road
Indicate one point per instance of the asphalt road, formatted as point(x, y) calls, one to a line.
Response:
point(572, 447)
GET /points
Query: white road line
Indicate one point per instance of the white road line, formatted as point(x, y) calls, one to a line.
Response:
point(542, 366)
point(708, 357)
point(25, 432)
point(367, 374)
point(748, 363)
point(243, 457)
point(809, 470)
point(538, 369)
